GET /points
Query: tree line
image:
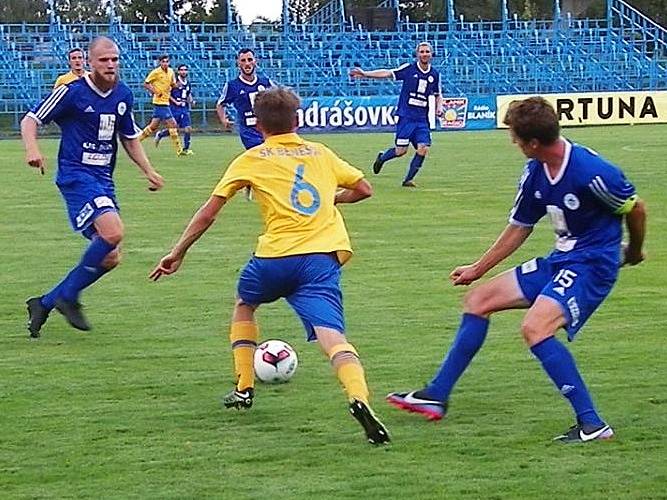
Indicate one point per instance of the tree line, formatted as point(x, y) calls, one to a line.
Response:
point(196, 11)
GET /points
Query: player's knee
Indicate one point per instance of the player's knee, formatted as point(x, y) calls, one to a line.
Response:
point(111, 260)
point(477, 302)
point(400, 151)
point(113, 237)
point(422, 150)
point(533, 331)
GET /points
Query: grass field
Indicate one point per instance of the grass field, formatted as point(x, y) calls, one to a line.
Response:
point(131, 409)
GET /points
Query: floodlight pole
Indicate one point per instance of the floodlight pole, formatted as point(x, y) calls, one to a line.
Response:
point(451, 15)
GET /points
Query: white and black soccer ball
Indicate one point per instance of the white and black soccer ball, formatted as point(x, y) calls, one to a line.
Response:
point(275, 362)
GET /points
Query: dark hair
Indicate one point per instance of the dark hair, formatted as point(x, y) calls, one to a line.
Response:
point(72, 51)
point(533, 118)
point(245, 50)
point(163, 57)
point(182, 66)
point(275, 109)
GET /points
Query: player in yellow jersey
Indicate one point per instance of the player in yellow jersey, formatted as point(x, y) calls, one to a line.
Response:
point(159, 83)
point(299, 257)
point(76, 61)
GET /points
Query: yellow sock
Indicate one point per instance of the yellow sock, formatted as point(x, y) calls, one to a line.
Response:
point(349, 371)
point(175, 140)
point(145, 133)
point(243, 336)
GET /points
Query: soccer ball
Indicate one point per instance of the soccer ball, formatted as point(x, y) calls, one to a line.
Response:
point(275, 362)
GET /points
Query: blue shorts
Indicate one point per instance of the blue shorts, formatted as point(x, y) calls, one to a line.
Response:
point(310, 283)
point(250, 137)
point(182, 116)
point(162, 111)
point(86, 198)
point(579, 287)
point(412, 132)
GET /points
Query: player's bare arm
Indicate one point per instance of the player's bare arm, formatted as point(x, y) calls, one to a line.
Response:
point(150, 88)
point(33, 156)
point(509, 240)
point(376, 73)
point(360, 191)
point(199, 224)
point(222, 116)
point(438, 105)
point(137, 154)
point(635, 222)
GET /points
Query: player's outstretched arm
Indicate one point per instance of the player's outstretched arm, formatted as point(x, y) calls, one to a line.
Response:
point(360, 191)
point(199, 224)
point(635, 222)
point(509, 240)
point(357, 72)
point(137, 154)
point(33, 156)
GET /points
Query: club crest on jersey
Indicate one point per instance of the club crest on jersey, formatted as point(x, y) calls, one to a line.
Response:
point(571, 201)
point(260, 88)
point(122, 107)
point(430, 79)
point(538, 195)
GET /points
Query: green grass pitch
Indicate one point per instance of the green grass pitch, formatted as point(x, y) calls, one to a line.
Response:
point(131, 409)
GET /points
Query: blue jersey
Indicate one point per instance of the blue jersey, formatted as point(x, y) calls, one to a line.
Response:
point(241, 95)
point(89, 120)
point(585, 202)
point(181, 94)
point(418, 85)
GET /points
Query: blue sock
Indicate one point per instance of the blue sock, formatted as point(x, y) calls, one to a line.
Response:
point(468, 340)
point(186, 140)
point(561, 368)
point(85, 273)
point(163, 133)
point(415, 164)
point(389, 154)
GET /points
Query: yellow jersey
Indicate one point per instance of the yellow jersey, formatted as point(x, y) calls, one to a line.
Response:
point(68, 77)
point(162, 81)
point(294, 182)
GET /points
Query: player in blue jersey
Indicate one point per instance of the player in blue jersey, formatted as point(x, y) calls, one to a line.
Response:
point(587, 199)
point(240, 93)
point(420, 81)
point(91, 112)
point(180, 102)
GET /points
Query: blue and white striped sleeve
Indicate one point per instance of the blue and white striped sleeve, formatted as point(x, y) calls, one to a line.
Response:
point(52, 107)
point(613, 190)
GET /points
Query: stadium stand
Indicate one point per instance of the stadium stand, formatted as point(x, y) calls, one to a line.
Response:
point(625, 51)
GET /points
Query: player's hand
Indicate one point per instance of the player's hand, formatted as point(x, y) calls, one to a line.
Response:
point(227, 124)
point(464, 275)
point(357, 73)
point(631, 258)
point(36, 160)
point(156, 181)
point(169, 264)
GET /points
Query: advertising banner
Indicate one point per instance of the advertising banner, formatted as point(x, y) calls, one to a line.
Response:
point(599, 108)
point(330, 114)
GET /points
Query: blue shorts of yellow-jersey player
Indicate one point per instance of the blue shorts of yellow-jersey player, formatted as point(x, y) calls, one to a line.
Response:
point(86, 198)
point(412, 132)
point(310, 283)
point(579, 287)
point(250, 137)
point(162, 111)
point(181, 115)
